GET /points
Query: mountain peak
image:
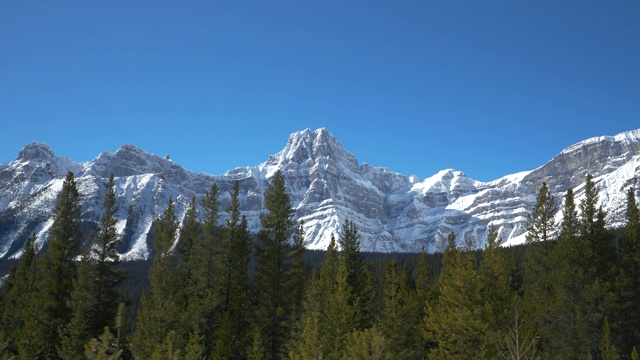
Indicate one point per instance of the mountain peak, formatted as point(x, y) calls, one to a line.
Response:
point(309, 144)
point(626, 138)
point(36, 151)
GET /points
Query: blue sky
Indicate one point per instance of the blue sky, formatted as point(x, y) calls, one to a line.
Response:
point(486, 87)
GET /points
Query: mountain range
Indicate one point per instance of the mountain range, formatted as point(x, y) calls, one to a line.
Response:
point(327, 184)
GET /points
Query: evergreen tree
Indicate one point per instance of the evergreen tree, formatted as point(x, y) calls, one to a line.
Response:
point(516, 345)
point(108, 345)
point(424, 294)
point(272, 266)
point(297, 276)
point(538, 283)
point(195, 350)
point(601, 254)
point(559, 319)
point(628, 283)
point(453, 322)
point(83, 306)
point(159, 313)
point(185, 293)
point(328, 315)
point(309, 344)
point(541, 227)
point(495, 291)
point(359, 277)
point(50, 313)
point(233, 268)
point(17, 293)
point(599, 261)
point(106, 260)
point(205, 258)
point(340, 314)
point(599, 250)
point(367, 344)
point(398, 321)
point(95, 297)
point(607, 349)
point(103, 348)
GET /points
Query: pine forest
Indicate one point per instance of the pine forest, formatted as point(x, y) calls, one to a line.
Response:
point(215, 290)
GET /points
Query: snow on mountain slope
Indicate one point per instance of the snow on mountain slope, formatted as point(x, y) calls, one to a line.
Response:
point(327, 185)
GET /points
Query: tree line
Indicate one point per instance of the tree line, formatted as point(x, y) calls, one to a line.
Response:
point(216, 291)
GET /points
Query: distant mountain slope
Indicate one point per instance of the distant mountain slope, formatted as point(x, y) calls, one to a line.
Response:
point(327, 185)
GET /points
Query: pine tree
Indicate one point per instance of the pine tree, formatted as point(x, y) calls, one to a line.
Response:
point(83, 306)
point(5, 353)
point(17, 293)
point(185, 293)
point(95, 297)
point(516, 345)
point(359, 277)
point(104, 251)
point(495, 291)
point(103, 348)
point(233, 268)
point(328, 316)
point(297, 275)
point(628, 283)
point(599, 262)
point(206, 252)
point(309, 344)
point(607, 349)
point(159, 313)
point(367, 344)
point(424, 294)
point(453, 322)
point(559, 319)
point(195, 350)
point(398, 321)
point(108, 345)
point(272, 266)
point(601, 253)
point(541, 228)
point(538, 283)
point(50, 306)
point(341, 315)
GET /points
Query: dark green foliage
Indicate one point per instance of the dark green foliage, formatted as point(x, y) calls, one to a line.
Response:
point(232, 285)
point(496, 292)
point(273, 266)
point(607, 349)
point(358, 274)
point(398, 321)
point(204, 273)
point(17, 297)
point(546, 299)
point(95, 297)
point(453, 322)
point(51, 305)
point(103, 347)
point(159, 313)
point(541, 228)
point(628, 282)
point(185, 271)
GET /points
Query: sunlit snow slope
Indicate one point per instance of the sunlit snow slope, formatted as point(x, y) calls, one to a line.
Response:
point(327, 185)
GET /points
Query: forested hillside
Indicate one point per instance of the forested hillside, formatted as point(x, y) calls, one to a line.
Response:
point(222, 292)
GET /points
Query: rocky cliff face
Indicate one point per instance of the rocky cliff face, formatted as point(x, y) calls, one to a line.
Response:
point(327, 185)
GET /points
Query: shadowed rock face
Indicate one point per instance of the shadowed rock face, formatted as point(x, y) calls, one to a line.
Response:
point(327, 185)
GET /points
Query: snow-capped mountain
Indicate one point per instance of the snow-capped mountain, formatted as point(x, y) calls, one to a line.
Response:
point(327, 185)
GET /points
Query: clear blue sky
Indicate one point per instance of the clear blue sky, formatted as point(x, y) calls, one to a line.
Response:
point(486, 87)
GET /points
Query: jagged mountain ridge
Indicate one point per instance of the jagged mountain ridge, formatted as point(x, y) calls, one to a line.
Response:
point(327, 185)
